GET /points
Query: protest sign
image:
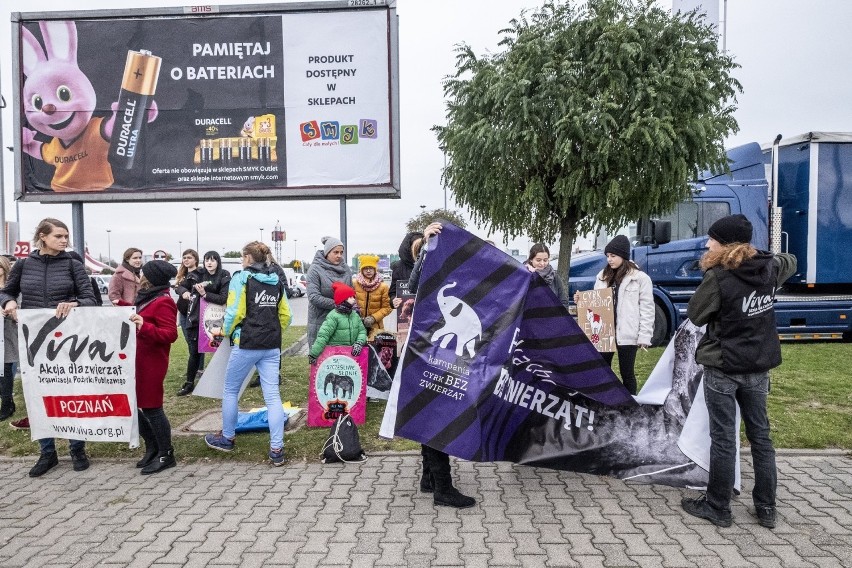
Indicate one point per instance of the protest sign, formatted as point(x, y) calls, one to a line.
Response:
point(210, 322)
point(79, 373)
point(338, 385)
point(596, 316)
point(403, 314)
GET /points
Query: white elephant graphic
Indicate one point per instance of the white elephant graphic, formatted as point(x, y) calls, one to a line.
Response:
point(460, 321)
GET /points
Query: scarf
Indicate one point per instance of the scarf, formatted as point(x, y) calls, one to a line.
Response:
point(132, 269)
point(369, 285)
point(148, 295)
point(344, 308)
point(548, 274)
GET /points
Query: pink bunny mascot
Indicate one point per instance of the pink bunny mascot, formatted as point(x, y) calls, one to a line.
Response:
point(59, 101)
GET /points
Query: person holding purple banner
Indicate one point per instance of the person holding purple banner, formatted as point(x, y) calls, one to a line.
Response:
point(437, 474)
point(211, 283)
point(539, 261)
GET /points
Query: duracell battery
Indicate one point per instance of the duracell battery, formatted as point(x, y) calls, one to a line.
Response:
point(206, 151)
point(245, 150)
point(225, 151)
point(264, 151)
point(139, 84)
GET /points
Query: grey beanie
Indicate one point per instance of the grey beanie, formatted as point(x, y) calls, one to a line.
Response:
point(329, 243)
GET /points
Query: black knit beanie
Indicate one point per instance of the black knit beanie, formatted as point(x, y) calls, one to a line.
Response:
point(619, 246)
point(159, 272)
point(731, 229)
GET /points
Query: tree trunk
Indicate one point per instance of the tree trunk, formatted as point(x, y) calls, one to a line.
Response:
point(566, 243)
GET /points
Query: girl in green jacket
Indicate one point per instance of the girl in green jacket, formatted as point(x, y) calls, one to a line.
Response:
point(342, 326)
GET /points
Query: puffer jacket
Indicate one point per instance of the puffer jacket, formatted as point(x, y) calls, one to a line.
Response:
point(634, 312)
point(321, 276)
point(375, 304)
point(123, 287)
point(339, 329)
point(401, 271)
point(45, 281)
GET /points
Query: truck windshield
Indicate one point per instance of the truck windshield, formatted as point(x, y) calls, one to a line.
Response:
point(692, 219)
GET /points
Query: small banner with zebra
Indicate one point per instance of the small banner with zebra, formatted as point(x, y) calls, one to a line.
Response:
point(495, 369)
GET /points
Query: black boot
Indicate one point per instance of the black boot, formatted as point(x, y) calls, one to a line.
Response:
point(151, 451)
point(164, 460)
point(7, 409)
point(445, 493)
point(151, 446)
point(80, 460)
point(187, 388)
point(45, 463)
point(427, 485)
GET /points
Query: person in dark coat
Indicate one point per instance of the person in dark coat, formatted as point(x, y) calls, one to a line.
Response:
point(210, 282)
point(437, 474)
point(328, 267)
point(156, 330)
point(401, 271)
point(735, 300)
point(49, 278)
point(10, 352)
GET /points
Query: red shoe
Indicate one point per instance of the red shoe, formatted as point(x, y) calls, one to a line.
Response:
point(22, 424)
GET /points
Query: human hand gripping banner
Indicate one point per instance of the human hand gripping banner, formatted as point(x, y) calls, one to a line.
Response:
point(79, 374)
point(496, 369)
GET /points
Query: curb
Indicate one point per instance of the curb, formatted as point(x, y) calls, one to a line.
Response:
point(296, 347)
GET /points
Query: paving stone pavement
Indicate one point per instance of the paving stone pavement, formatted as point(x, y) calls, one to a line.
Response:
point(372, 514)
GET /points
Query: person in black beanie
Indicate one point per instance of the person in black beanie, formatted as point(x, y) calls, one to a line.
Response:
point(156, 330)
point(735, 301)
point(633, 301)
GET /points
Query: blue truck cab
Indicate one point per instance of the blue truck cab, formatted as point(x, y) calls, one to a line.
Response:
point(811, 217)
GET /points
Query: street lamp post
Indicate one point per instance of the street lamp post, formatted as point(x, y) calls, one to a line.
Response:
point(109, 248)
point(261, 234)
point(197, 248)
point(295, 244)
point(180, 249)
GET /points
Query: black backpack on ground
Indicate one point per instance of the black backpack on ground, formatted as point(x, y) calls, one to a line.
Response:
point(343, 443)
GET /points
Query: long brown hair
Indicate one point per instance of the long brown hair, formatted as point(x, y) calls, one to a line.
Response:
point(728, 257)
point(183, 270)
point(6, 267)
point(613, 277)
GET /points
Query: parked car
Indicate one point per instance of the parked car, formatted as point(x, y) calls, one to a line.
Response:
point(103, 282)
point(298, 290)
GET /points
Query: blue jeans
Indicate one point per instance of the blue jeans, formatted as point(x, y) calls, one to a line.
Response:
point(722, 392)
point(239, 365)
point(48, 445)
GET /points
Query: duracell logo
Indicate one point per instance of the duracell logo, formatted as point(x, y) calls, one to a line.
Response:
point(127, 138)
point(69, 159)
point(212, 121)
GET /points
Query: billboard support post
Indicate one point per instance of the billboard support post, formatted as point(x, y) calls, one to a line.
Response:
point(343, 223)
point(79, 230)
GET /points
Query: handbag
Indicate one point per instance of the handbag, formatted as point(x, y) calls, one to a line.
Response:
point(343, 443)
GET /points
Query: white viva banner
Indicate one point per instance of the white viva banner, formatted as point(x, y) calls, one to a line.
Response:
point(79, 374)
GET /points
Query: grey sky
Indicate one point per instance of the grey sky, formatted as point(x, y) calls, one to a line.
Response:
point(795, 58)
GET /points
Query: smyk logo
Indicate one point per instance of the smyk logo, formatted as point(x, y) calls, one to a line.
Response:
point(460, 323)
point(331, 130)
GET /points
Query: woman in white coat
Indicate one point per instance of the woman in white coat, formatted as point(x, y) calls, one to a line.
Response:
point(634, 307)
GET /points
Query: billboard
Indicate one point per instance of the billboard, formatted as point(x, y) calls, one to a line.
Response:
point(260, 102)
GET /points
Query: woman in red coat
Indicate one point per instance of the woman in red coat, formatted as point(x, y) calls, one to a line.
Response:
point(156, 330)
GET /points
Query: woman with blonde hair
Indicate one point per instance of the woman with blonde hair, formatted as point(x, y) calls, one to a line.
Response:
point(256, 314)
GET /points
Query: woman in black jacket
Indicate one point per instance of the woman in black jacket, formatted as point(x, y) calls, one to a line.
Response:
point(408, 251)
point(211, 283)
point(49, 278)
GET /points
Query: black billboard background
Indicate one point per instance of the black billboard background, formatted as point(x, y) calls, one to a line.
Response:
point(169, 142)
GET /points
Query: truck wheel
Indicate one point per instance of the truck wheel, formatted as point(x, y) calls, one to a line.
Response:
point(661, 327)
